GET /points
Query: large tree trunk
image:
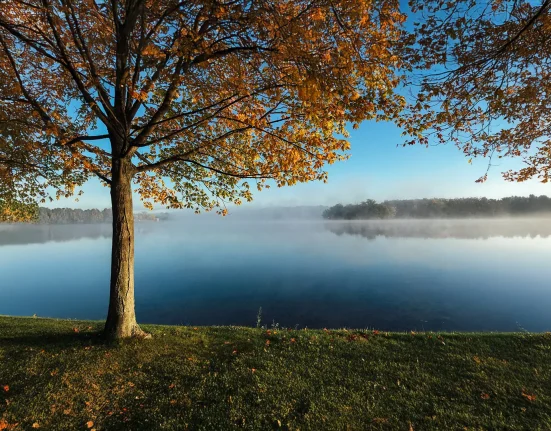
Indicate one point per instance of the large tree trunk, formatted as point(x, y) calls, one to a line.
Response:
point(121, 318)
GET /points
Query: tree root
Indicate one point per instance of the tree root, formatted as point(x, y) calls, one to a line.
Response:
point(134, 332)
point(138, 332)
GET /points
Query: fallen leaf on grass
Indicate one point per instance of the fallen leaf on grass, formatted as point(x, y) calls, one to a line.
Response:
point(476, 359)
point(6, 388)
point(36, 425)
point(484, 396)
point(89, 424)
point(76, 330)
point(529, 397)
point(6, 426)
point(380, 420)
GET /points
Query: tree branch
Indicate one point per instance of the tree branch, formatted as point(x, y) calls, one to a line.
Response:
point(74, 74)
point(86, 138)
point(178, 158)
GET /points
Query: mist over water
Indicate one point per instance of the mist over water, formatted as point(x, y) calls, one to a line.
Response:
point(489, 275)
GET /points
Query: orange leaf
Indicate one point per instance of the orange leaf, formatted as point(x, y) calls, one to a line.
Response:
point(529, 397)
point(75, 330)
point(6, 388)
point(36, 425)
point(89, 424)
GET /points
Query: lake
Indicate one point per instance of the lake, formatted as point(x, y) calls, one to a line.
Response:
point(467, 275)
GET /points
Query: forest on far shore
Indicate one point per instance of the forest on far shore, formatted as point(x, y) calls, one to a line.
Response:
point(79, 216)
point(441, 208)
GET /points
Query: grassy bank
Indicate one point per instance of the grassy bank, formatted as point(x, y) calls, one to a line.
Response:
point(59, 375)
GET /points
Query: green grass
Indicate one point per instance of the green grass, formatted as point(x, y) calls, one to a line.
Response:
point(218, 378)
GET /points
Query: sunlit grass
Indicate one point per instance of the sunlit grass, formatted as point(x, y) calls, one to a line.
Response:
point(60, 375)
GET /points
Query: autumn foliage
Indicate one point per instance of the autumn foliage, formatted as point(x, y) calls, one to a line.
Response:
point(203, 92)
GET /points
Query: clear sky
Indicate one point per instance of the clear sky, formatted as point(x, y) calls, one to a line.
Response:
point(377, 169)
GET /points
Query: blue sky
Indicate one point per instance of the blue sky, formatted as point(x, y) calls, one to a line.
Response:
point(377, 169)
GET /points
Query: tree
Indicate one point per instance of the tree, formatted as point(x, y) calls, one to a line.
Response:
point(486, 83)
point(205, 93)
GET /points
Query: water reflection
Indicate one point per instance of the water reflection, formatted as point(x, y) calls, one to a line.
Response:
point(407, 275)
point(39, 234)
point(459, 229)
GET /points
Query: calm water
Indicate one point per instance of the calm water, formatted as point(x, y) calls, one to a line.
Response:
point(449, 275)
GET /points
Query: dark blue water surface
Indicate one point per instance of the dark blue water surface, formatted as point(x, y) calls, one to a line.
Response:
point(396, 275)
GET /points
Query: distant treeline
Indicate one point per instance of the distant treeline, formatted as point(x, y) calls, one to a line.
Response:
point(440, 208)
point(78, 216)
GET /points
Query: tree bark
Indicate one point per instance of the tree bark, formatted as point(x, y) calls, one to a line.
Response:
point(121, 317)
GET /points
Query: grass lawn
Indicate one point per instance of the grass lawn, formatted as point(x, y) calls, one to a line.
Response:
point(60, 375)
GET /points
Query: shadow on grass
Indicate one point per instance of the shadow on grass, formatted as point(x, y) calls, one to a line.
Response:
point(57, 341)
